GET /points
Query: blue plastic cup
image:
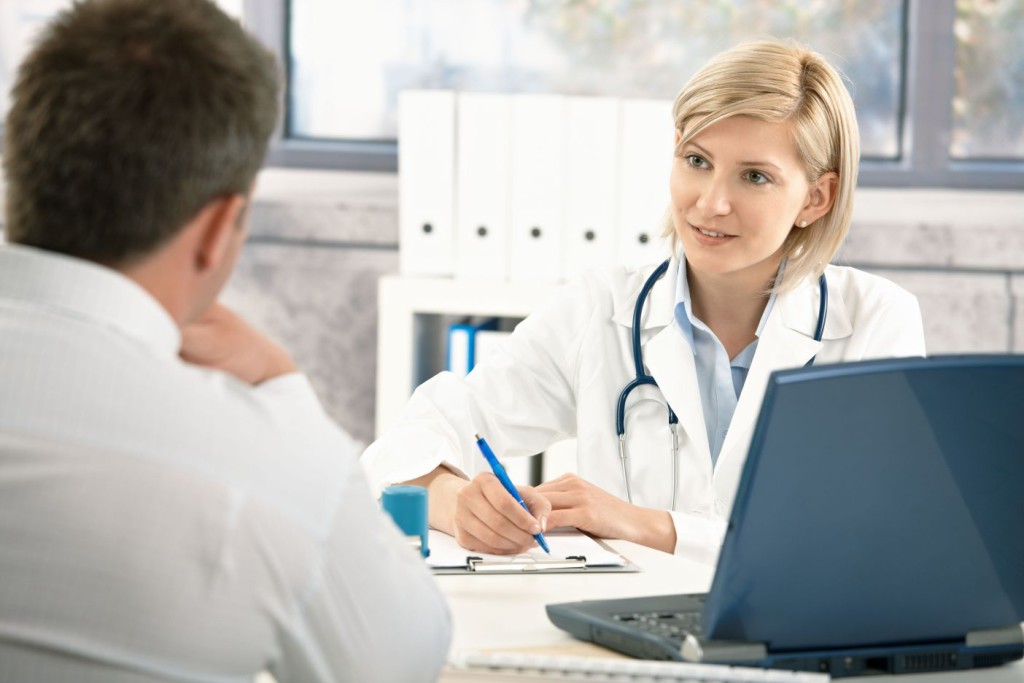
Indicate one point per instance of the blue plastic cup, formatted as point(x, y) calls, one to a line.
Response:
point(407, 505)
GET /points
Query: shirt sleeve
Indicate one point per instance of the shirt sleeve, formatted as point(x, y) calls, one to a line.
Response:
point(372, 611)
point(293, 397)
point(897, 329)
point(522, 400)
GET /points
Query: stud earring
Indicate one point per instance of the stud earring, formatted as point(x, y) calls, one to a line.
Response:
point(803, 224)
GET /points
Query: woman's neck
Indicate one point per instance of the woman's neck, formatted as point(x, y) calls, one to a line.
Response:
point(732, 305)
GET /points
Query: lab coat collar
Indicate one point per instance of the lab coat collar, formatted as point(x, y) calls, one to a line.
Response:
point(658, 309)
point(666, 354)
point(799, 310)
point(786, 341)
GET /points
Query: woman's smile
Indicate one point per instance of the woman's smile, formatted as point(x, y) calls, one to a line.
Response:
point(710, 237)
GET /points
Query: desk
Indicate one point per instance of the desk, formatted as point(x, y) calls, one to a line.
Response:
point(475, 602)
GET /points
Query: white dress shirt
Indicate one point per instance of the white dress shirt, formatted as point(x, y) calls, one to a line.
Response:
point(165, 522)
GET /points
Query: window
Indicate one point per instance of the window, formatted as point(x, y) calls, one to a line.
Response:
point(938, 84)
point(988, 100)
point(21, 20)
point(348, 60)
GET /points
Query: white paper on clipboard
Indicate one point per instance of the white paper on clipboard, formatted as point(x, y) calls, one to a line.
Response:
point(571, 550)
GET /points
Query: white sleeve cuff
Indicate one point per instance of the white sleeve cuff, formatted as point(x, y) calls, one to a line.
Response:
point(408, 452)
point(699, 538)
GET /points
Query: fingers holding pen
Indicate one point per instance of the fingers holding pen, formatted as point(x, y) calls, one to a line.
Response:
point(539, 504)
point(506, 513)
point(474, 534)
point(488, 519)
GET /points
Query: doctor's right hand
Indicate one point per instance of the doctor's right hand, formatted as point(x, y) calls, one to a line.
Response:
point(489, 520)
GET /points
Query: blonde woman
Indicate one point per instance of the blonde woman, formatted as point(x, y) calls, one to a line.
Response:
point(762, 182)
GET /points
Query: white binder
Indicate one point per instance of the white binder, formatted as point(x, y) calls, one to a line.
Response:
point(482, 180)
point(426, 182)
point(646, 145)
point(591, 186)
point(537, 198)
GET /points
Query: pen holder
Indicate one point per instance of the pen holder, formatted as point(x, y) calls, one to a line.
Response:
point(407, 505)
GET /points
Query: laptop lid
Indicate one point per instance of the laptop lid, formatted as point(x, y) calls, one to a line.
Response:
point(881, 504)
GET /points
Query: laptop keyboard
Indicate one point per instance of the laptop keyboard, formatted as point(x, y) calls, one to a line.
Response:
point(671, 625)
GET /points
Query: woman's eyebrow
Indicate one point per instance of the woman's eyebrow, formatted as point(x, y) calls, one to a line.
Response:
point(760, 163)
point(703, 151)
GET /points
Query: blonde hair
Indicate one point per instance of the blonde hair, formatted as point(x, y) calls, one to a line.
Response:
point(776, 81)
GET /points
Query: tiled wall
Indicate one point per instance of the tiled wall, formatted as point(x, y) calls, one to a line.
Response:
point(962, 254)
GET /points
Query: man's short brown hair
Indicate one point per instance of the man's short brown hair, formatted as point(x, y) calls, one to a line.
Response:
point(128, 116)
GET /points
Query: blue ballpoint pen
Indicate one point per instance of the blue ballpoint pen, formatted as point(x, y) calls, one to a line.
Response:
point(502, 476)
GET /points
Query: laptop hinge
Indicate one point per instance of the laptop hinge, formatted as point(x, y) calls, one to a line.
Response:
point(693, 650)
point(989, 637)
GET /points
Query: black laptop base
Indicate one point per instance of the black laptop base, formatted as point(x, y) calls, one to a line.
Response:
point(643, 628)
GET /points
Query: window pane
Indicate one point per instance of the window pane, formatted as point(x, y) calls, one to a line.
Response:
point(20, 20)
point(349, 58)
point(988, 101)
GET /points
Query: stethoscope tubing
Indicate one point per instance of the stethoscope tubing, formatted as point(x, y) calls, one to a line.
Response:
point(641, 378)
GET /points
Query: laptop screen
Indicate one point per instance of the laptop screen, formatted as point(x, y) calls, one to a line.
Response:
point(882, 502)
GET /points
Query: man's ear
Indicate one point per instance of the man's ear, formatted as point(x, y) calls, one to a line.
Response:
point(219, 223)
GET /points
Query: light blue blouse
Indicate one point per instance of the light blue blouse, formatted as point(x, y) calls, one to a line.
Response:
point(719, 380)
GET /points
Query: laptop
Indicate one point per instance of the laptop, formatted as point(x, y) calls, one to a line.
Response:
point(878, 527)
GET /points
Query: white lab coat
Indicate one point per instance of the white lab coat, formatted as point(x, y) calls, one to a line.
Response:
point(560, 373)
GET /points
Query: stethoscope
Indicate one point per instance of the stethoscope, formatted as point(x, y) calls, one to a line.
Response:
point(643, 378)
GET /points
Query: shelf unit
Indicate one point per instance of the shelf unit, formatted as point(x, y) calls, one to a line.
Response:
point(409, 334)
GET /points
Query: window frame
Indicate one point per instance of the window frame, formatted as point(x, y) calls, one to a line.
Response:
point(926, 117)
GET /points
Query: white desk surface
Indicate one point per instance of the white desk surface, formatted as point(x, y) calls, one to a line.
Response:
point(506, 612)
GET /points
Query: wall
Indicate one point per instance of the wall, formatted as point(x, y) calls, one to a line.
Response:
point(320, 240)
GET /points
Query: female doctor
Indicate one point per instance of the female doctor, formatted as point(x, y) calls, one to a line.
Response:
point(765, 165)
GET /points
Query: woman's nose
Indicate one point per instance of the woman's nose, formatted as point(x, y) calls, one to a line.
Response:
point(714, 198)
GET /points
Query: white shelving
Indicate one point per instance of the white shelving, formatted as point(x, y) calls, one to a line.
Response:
point(407, 339)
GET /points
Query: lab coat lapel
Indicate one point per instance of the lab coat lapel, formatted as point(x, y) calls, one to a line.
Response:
point(787, 341)
point(671, 363)
point(667, 356)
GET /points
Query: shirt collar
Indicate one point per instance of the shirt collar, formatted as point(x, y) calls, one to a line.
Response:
point(82, 289)
point(684, 310)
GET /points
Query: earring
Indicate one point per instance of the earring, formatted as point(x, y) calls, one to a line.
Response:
point(803, 224)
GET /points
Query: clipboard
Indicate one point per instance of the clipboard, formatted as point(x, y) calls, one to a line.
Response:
point(572, 551)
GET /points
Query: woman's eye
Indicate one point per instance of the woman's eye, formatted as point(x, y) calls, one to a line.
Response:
point(696, 161)
point(757, 177)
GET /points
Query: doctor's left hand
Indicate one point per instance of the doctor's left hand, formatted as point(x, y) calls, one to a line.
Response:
point(576, 502)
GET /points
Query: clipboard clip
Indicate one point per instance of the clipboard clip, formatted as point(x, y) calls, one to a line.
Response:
point(480, 565)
